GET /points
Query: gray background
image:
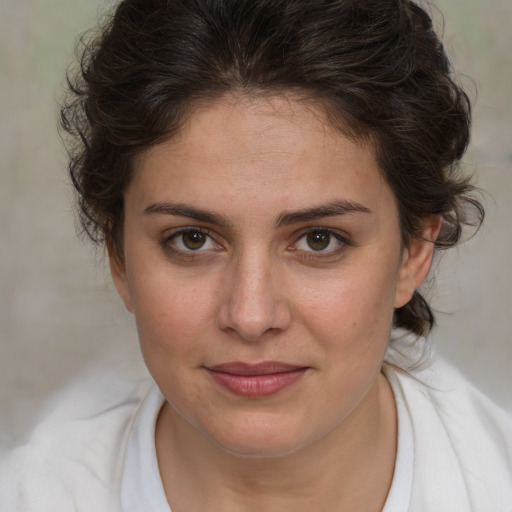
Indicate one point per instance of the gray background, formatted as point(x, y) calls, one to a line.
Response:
point(58, 310)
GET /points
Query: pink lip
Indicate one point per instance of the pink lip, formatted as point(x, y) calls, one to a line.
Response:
point(256, 380)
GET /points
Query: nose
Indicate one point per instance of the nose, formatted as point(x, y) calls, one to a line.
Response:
point(254, 305)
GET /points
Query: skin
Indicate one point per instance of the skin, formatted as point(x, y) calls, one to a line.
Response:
point(257, 290)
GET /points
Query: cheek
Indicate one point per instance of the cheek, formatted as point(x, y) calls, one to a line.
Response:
point(171, 315)
point(354, 310)
point(172, 327)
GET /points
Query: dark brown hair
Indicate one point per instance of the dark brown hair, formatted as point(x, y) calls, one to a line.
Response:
point(377, 65)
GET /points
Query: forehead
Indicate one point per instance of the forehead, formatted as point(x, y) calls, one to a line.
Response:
point(268, 148)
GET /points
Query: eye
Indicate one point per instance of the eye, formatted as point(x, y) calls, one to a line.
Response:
point(320, 240)
point(192, 239)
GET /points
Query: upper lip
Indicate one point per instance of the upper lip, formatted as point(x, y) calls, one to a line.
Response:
point(263, 368)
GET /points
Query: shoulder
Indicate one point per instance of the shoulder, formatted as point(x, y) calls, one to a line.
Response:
point(74, 457)
point(462, 441)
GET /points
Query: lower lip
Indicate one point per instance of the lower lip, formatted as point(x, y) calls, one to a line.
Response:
point(257, 386)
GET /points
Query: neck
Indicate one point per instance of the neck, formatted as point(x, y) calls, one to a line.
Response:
point(350, 468)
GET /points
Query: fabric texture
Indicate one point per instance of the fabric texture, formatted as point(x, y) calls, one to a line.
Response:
point(462, 443)
point(141, 487)
point(75, 459)
point(399, 496)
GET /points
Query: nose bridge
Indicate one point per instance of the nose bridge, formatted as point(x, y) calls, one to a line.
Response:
point(252, 307)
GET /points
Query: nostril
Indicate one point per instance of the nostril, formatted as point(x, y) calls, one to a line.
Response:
point(251, 337)
point(252, 306)
point(254, 323)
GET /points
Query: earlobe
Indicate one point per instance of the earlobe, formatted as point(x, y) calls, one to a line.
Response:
point(118, 272)
point(416, 261)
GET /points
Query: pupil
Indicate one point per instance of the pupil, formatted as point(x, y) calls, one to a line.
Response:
point(194, 240)
point(318, 240)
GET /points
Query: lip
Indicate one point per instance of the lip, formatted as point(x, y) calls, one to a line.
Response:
point(256, 380)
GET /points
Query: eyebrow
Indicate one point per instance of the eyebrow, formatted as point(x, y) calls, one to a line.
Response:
point(185, 210)
point(332, 209)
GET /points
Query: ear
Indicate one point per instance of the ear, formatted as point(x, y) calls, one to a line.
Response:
point(416, 260)
point(118, 272)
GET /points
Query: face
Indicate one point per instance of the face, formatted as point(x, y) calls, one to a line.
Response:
point(263, 262)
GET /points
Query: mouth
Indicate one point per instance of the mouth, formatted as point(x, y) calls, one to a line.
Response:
point(256, 380)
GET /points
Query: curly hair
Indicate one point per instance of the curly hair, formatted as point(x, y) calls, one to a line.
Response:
point(377, 66)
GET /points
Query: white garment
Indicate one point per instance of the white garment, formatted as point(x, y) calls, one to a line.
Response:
point(74, 462)
point(399, 495)
point(141, 486)
point(462, 444)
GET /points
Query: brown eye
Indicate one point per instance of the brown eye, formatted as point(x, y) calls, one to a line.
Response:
point(194, 240)
point(325, 242)
point(318, 240)
point(191, 244)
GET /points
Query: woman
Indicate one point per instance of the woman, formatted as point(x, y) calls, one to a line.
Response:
point(271, 180)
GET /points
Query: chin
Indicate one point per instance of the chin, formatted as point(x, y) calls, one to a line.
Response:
point(259, 438)
point(262, 449)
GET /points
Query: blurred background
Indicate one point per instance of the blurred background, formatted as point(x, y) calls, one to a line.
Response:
point(58, 309)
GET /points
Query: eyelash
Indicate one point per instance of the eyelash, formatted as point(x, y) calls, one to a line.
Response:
point(320, 254)
point(169, 244)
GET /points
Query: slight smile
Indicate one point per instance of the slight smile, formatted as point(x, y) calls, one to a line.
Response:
point(256, 380)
